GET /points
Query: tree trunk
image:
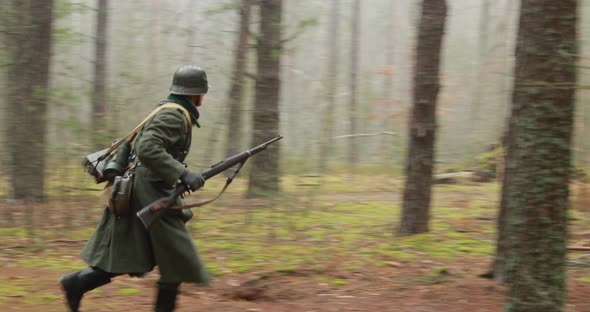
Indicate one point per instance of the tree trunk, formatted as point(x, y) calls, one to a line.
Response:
point(389, 59)
point(235, 131)
point(420, 161)
point(29, 45)
point(482, 48)
point(388, 83)
point(332, 77)
point(505, 32)
point(540, 155)
point(498, 271)
point(190, 37)
point(353, 151)
point(264, 175)
point(99, 97)
point(154, 37)
point(498, 268)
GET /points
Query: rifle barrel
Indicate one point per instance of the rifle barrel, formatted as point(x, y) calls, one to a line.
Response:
point(233, 160)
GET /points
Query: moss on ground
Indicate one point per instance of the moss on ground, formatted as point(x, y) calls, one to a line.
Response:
point(129, 291)
point(297, 232)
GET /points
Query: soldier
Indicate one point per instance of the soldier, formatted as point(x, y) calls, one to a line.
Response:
point(121, 245)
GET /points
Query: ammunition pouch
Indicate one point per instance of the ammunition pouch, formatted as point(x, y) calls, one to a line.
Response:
point(121, 193)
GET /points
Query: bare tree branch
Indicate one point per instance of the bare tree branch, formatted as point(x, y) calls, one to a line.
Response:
point(251, 76)
point(364, 135)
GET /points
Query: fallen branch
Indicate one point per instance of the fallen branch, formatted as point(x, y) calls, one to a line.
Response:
point(363, 135)
point(67, 241)
point(14, 247)
point(578, 248)
point(251, 76)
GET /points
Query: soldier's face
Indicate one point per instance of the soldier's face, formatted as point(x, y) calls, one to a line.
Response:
point(197, 100)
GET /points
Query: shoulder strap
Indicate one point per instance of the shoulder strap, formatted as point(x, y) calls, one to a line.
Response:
point(184, 110)
point(131, 136)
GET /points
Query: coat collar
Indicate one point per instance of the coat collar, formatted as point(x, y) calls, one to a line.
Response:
point(184, 102)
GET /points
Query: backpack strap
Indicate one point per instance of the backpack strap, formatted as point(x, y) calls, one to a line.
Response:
point(131, 136)
point(177, 106)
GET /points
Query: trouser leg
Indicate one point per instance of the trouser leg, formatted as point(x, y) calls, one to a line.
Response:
point(77, 283)
point(166, 298)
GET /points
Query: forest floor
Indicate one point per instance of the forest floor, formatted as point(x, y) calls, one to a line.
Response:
point(321, 247)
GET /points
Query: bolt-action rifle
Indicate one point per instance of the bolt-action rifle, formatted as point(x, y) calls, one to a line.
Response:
point(152, 212)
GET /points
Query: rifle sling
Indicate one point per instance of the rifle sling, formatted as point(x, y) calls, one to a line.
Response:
point(205, 202)
point(227, 183)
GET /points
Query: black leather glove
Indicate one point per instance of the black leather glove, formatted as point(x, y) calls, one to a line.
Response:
point(193, 180)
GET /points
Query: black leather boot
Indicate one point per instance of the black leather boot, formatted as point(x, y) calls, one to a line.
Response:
point(166, 300)
point(77, 283)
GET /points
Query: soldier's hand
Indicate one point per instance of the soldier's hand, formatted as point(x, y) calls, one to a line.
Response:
point(193, 180)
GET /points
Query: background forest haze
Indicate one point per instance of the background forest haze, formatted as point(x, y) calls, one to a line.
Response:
point(147, 40)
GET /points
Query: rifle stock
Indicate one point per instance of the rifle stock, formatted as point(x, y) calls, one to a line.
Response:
point(152, 212)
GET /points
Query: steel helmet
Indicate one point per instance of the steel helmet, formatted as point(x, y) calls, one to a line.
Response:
point(189, 80)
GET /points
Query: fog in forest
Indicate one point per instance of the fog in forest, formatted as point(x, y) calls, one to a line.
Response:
point(148, 40)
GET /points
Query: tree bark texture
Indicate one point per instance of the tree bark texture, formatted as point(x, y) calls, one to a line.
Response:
point(29, 44)
point(353, 151)
point(264, 173)
point(234, 133)
point(420, 161)
point(540, 155)
point(332, 77)
point(498, 268)
point(99, 96)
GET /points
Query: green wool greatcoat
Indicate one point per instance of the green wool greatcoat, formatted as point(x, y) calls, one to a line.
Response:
point(122, 244)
